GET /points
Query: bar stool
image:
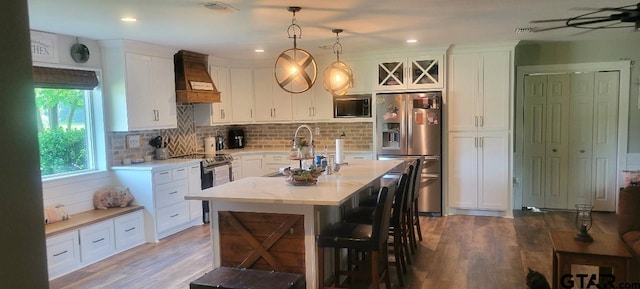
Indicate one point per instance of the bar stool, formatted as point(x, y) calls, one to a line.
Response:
point(360, 238)
point(414, 221)
point(397, 227)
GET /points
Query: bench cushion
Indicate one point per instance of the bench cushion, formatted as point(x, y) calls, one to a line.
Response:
point(233, 278)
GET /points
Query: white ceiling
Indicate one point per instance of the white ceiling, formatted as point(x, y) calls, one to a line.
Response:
point(367, 24)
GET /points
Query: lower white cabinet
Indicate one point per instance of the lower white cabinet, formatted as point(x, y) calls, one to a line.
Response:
point(96, 241)
point(479, 170)
point(63, 253)
point(129, 230)
point(161, 190)
point(88, 244)
point(252, 166)
point(195, 186)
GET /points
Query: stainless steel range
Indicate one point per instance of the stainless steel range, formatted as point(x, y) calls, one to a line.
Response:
point(215, 170)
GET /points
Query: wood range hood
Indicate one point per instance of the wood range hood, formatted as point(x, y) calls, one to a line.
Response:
point(193, 82)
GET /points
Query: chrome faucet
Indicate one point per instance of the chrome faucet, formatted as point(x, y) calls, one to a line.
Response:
point(295, 137)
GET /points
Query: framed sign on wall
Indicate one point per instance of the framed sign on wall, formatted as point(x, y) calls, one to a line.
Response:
point(44, 47)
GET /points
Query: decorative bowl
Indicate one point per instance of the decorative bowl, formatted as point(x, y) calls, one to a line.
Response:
point(301, 177)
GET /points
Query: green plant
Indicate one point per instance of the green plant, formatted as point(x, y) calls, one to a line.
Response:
point(301, 143)
point(62, 150)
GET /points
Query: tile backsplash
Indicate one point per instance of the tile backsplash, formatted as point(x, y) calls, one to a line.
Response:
point(188, 138)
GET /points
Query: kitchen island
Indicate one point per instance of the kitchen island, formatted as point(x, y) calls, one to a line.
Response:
point(265, 223)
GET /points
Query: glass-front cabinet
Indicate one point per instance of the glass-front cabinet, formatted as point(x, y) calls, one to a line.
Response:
point(423, 72)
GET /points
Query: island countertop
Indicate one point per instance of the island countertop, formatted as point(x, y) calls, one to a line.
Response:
point(331, 190)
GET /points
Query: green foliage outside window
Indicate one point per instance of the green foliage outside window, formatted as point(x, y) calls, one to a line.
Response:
point(62, 130)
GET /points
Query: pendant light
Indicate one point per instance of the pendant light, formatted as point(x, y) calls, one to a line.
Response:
point(295, 68)
point(338, 78)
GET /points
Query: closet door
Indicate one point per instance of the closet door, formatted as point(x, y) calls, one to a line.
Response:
point(533, 175)
point(580, 138)
point(557, 141)
point(605, 134)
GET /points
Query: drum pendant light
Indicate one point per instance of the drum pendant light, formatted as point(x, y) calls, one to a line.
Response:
point(338, 77)
point(295, 69)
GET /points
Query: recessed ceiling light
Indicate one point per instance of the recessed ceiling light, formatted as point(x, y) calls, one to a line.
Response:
point(412, 40)
point(259, 50)
point(129, 19)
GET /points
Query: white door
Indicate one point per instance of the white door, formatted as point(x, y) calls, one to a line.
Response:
point(263, 94)
point(463, 92)
point(605, 134)
point(556, 141)
point(463, 170)
point(570, 140)
point(221, 110)
point(493, 175)
point(494, 85)
point(164, 92)
point(241, 80)
point(140, 111)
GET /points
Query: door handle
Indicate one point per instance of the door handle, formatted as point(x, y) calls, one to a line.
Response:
point(554, 150)
point(582, 151)
point(481, 121)
point(476, 121)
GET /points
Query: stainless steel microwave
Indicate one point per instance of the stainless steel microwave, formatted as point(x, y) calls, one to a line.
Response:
point(358, 105)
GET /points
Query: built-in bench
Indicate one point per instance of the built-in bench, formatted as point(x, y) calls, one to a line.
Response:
point(91, 236)
point(87, 218)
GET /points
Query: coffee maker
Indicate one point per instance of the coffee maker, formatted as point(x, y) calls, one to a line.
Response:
point(236, 138)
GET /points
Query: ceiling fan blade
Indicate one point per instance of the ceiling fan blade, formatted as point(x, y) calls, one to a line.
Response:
point(621, 8)
point(547, 29)
point(580, 24)
point(562, 20)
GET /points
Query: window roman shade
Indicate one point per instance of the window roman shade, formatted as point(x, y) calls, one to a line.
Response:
point(59, 78)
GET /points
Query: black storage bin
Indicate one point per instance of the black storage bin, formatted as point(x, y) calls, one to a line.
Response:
point(233, 278)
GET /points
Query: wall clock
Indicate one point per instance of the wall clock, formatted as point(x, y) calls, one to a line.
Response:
point(79, 53)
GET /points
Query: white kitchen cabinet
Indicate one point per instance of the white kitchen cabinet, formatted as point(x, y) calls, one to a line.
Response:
point(272, 162)
point(357, 157)
point(206, 114)
point(161, 190)
point(90, 240)
point(63, 253)
point(479, 95)
point(478, 170)
point(313, 104)
point(195, 186)
point(252, 165)
point(236, 167)
point(97, 241)
point(361, 70)
point(139, 86)
point(241, 81)
point(272, 103)
point(415, 72)
point(129, 230)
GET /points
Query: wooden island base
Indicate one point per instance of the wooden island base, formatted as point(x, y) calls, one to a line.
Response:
point(264, 241)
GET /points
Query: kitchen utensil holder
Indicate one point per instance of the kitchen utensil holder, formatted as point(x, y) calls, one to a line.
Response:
point(162, 153)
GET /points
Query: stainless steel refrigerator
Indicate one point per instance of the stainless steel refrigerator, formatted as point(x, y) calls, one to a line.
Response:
point(409, 125)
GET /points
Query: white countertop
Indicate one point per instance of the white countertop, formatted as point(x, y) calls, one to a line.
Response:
point(157, 165)
point(331, 190)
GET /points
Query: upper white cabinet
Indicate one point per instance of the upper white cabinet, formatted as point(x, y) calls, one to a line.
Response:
point(242, 92)
point(361, 70)
point(313, 104)
point(271, 102)
point(139, 86)
point(219, 112)
point(419, 72)
point(479, 91)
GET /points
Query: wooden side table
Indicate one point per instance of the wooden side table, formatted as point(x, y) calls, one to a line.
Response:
point(606, 251)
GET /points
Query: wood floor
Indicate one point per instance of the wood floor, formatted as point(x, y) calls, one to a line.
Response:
point(457, 252)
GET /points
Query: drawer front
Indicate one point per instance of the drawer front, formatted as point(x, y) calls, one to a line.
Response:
point(172, 216)
point(162, 177)
point(129, 230)
point(168, 194)
point(96, 241)
point(276, 159)
point(179, 174)
point(63, 253)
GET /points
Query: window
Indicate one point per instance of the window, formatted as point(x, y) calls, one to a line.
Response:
point(64, 130)
point(66, 134)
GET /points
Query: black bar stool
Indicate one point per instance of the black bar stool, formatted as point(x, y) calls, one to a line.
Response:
point(415, 217)
point(370, 240)
point(397, 227)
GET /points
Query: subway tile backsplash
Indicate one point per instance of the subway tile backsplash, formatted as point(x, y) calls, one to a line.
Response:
point(188, 138)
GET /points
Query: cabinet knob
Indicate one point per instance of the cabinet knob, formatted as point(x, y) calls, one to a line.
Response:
point(554, 150)
point(581, 151)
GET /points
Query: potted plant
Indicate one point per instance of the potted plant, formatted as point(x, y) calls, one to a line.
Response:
point(303, 147)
